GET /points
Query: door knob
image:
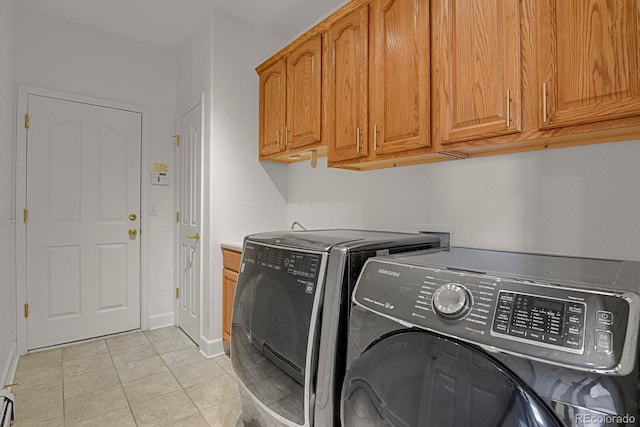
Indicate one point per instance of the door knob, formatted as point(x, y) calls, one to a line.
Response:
point(133, 232)
point(194, 236)
point(133, 217)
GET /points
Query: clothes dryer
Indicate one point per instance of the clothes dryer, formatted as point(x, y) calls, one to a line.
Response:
point(466, 337)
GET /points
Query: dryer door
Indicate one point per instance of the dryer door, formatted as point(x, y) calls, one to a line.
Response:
point(415, 378)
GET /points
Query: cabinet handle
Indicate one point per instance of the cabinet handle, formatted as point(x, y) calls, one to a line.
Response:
point(544, 102)
point(286, 137)
point(508, 108)
point(278, 137)
point(357, 140)
point(375, 137)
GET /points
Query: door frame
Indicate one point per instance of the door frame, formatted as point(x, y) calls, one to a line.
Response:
point(21, 196)
point(193, 103)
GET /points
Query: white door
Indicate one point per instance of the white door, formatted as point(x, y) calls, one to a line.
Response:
point(83, 200)
point(189, 202)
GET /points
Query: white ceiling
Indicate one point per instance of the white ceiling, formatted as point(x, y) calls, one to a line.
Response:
point(169, 23)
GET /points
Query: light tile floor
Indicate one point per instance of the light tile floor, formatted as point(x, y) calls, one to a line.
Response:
point(152, 378)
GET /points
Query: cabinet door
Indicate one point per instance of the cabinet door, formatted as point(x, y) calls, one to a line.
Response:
point(476, 68)
point(273, 100)
point(589, 56)
point(346, 94)
point(399, 70)
point(303, 94)
point(229, 280)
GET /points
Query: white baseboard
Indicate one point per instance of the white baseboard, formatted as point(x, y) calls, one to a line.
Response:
point(161, 321)
point(10, 366)
point(211, 348)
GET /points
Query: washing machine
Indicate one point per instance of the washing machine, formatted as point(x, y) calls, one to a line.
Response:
point(288, 331)
point(469, 337)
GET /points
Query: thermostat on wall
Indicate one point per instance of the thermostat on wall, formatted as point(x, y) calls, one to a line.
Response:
point(160, 174)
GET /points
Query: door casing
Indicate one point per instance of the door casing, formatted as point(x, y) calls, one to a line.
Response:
point(21, 192)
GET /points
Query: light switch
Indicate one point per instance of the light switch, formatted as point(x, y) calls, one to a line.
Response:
point(154, 210)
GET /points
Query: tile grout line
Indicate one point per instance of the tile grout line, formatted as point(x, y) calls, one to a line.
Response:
point(180, 384)
point(225, 373)
point(135, 421)
point(114, 347)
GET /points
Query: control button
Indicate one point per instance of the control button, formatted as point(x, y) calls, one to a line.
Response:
point(574, 330)
point(535, 336)
point(575, 319)
point(518, 332)
point(604, 317)
point(574, 342)
point(450, 300)
point(553, 340)
point(502, 316)
point(576, 309)
point(604, 341)
point(500, 327)
point(506, 297)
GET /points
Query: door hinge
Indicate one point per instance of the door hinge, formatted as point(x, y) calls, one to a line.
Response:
point(26, 310)
point(177, 293)
point(26, 121)
point(26, 215)
point(177, 137)
point(177, 216)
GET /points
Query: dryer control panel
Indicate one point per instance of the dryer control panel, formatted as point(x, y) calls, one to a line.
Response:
point(555, 323)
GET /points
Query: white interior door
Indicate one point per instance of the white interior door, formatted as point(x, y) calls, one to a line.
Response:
point(189, 202)
point(83, 190)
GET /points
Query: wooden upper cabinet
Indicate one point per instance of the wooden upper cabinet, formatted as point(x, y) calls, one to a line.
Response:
point(476, 69)
point(303, 125)
point(345, 82)
point(589, 61)
point(399, 75)
point(290, 101)
point(272, 114)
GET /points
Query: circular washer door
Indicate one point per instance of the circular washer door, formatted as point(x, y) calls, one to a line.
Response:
point(416, 378)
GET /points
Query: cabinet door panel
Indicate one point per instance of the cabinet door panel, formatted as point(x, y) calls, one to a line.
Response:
point(589, 55)
point(303, 94)
point(229, 280)
point(477, 57)
point(346, 59)
point(272, 108)
point(399, 44)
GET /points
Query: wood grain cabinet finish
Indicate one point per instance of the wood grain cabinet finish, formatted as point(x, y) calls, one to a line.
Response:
point(589, 55)
point(346, 89)
point(415, 81)
point(476, 69)
point(272, 111)
point(231, 264)
point(290, 101)
point(378, 85)
point(304, 95)
point(400, 102)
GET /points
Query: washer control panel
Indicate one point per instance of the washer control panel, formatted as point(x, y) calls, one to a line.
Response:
point(554, 322)
point(559, 323)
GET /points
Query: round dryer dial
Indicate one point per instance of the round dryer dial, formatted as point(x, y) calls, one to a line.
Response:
point(451, 301)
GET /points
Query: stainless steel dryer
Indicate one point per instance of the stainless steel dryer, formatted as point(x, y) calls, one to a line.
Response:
point(288, 332)
point(467, 337)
